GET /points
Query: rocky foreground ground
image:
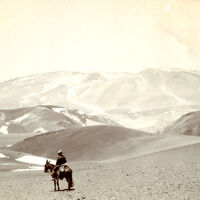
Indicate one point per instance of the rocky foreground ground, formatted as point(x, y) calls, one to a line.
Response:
point(168, 175)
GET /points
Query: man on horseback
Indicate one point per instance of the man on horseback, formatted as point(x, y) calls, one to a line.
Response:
point(62, 170)
point(61, 160)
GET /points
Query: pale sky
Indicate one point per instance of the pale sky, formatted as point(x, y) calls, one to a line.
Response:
point(104, 35)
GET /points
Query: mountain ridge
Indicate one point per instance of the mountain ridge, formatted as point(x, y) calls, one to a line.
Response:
point(45, 118)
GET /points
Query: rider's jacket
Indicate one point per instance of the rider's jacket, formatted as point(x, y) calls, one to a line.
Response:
point(61, 159)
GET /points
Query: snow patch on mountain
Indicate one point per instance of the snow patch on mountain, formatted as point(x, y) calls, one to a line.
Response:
point(92, 123)
point(74, 117)
point(174, 96)
point(3, 156)
point(40, 130)
point(34, 160)
point(4, 130)
point(23, 117)
point(67, 113)
point(30, 168)
point(9, 164)
point(58, 109)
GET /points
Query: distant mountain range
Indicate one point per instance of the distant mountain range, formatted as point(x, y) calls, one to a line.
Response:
point(147, 101)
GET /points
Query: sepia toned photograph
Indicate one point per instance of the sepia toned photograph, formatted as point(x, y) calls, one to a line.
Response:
point(99, 100)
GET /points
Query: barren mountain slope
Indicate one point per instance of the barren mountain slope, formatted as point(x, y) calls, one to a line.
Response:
point(152, 88)
point(188, 124)
point(40, 119)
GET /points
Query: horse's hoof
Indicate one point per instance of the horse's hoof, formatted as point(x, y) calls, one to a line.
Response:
point(72, 184)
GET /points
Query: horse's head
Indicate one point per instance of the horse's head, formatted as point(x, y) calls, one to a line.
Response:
point(46, 166)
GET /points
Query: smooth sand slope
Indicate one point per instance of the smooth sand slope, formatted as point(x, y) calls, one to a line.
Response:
point(87, 143)
point(101, 143)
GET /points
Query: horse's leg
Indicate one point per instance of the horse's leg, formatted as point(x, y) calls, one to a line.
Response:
point(54, 181)
point(58, 184)
point(69, 185)
point(68, 182)
point(70, 178)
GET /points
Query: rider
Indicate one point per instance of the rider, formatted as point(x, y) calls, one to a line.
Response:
point(61, 159)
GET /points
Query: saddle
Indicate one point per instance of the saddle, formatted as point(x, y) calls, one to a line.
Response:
point(64, 168)
point(60, 171)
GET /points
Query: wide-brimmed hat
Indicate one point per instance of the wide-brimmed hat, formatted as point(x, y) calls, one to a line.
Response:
point(60, 152)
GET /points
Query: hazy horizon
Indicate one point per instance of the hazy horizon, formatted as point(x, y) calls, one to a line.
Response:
point(111, 36)
point(98, 71)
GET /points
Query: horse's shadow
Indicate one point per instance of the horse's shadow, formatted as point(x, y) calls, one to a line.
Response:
point(72, 189)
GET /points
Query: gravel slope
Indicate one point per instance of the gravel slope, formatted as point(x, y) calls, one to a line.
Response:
point(167, 175)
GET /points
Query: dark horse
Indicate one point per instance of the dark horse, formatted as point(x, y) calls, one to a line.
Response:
point(59, 174)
